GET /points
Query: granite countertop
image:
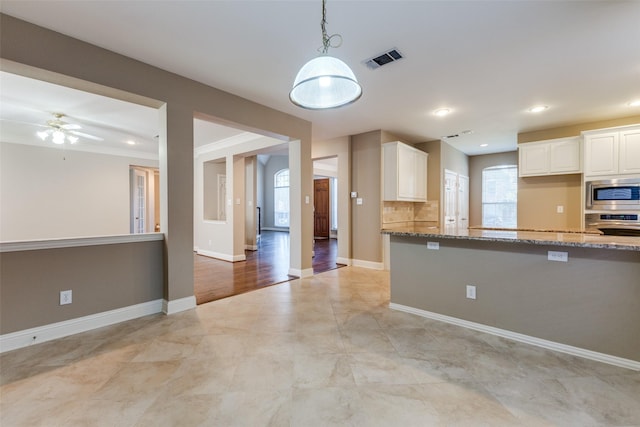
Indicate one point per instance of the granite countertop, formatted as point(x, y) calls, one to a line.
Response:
point(572, 238)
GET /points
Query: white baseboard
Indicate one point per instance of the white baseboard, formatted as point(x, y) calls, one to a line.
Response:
point(251, 247)
point(275, 229)
point(367, 264)
point(224, 257)
point(551, 345)
point(307, 272)
point(57, 330)
point(178, 305)
point(345, 261)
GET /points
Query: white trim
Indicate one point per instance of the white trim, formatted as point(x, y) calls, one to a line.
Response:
point(32, 245)
point(285, 229)
point(307, 272)
point(178, 305)
point(367, 264)
point(224, 257)
point(226, 143)
point(251, 247)
point(345, 261)
point(551, 345)
point(57, 330)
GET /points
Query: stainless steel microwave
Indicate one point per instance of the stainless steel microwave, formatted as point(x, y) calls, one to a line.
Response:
point(613, 194)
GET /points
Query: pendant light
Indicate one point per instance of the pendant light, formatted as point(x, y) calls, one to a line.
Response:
point(325, 82)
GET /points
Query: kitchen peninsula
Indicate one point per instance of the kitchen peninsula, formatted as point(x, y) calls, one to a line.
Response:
point(572, 292)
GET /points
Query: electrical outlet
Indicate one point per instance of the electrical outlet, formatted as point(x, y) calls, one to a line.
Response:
point(471, 292)
point(66, 297)
point(559, 209)
point(558, 256)
point(433, 245)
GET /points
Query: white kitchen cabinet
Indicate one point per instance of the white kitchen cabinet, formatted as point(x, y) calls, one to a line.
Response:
point(552, 157)
point(405, 173)
point(612, 152)
point(629, 152)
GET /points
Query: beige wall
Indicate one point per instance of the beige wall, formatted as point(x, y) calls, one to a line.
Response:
point(574, 130)
point(49, 193)
point(539, 197)
point(37, 52)
point(476, 165)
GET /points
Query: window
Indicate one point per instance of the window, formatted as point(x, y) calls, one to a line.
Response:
point(499, 196)
point(281, 198)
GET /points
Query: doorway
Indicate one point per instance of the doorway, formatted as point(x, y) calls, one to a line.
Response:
point(321, 208)
point(456, 199)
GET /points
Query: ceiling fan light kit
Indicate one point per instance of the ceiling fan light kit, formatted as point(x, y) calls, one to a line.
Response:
point(59, 131)
point(325, 82)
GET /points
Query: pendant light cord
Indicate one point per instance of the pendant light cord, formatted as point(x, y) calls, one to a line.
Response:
point(326, 39)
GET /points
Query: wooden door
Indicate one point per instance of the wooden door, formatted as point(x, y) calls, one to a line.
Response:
point(321, 208)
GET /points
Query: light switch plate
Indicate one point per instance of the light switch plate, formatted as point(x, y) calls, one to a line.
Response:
point(354, 194)
point(359, 201)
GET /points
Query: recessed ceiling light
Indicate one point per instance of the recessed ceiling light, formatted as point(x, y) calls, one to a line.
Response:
point(635, 103)
point(441, 112)
point(538, 108)
point(130, 142)
point(484, 145)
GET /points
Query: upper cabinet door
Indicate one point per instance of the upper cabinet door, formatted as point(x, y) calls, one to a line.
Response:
point(404, 173)
point(601, 154)
point(534, 159)
point(629, 152)
point(565, 156)
point(551, 157)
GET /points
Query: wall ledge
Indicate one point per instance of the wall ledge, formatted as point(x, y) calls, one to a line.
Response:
point(551, 345)
point(39, 334)
point(33, 245)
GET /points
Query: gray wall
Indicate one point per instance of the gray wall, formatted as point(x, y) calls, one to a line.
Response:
point(36, 52)
point(590, 302)
point(275, 164)
point(102, 278)
point(365, 179)
point(476, 165)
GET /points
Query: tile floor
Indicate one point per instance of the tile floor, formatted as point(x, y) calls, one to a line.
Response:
point(323, 351)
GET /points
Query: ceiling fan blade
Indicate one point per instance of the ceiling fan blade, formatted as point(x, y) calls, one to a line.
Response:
point(86, 135)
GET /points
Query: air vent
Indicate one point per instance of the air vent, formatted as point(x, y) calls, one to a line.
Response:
point(383, 59)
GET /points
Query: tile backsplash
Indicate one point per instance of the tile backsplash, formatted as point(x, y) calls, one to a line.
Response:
point(409, 212)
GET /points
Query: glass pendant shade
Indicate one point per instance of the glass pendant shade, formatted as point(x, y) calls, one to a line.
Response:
point(325, 82)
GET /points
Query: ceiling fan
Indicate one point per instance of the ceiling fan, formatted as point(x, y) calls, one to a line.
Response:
point(61, 131)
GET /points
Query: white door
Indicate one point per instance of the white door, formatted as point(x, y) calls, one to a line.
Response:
point(138, 201)
point(450, 197)
point(463, 201)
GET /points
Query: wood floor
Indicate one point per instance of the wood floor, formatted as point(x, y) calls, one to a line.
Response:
point(215, 279)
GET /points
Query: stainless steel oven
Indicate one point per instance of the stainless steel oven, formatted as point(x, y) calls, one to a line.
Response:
point(617, 224)
point(613, 194)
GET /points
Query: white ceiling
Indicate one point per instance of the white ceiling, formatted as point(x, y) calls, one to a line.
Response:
point(488, 61)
